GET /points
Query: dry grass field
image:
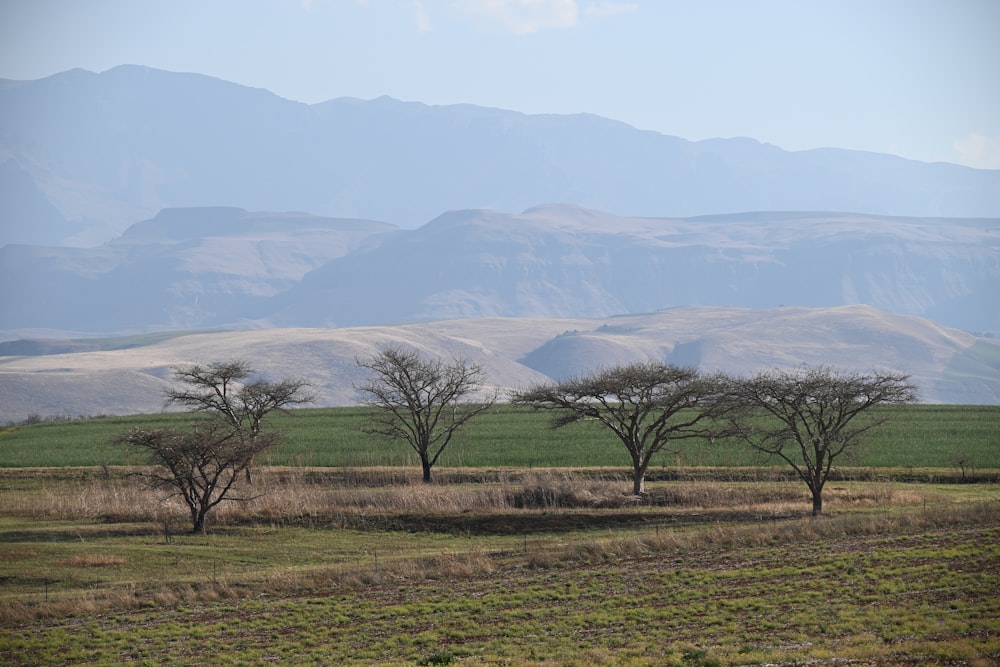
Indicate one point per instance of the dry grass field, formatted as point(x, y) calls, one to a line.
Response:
point(367, 566)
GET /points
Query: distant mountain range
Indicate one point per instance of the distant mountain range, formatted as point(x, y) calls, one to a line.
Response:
point(146, 203)
point(84, 155)
point(128, 375)
point(203, 268)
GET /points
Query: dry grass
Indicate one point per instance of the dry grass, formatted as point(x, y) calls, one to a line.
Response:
point(674, 516)
point(94, 560)
point(743, 535)
point(297, 496)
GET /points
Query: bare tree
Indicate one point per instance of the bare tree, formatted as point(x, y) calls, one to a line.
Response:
point(201, 465)
point(422, 401)
point(646, 405)
point(811, 416)
point(221, 389)
point(963, 460)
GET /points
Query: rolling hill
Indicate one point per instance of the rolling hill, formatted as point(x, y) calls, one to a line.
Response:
point(949, 366)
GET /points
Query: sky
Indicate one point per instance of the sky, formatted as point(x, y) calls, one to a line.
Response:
point(916, 78)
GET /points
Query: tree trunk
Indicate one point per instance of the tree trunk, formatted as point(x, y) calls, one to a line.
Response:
point(427, 470)
point(817, 502)
point(198, 519)
point(816, 485)
point(639, 481)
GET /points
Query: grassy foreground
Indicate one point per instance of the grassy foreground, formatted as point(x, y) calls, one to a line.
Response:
point(544, 567)
point(529, 550)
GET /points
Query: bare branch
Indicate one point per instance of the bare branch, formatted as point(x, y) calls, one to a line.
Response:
point(202, 464)
point(421, 401)
point(812, 416)
point(646, 405)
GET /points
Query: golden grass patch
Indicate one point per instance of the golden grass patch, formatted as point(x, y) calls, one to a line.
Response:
point(94, 560)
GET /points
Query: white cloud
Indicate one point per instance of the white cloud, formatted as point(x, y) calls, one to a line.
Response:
point(524, 16)
point(420, 14)
point(978, 151)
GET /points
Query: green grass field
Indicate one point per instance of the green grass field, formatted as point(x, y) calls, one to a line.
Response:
point(530, 550)
point(919, 436)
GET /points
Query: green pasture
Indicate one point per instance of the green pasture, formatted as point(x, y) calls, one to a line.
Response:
point(919, 436)
point(805, 593)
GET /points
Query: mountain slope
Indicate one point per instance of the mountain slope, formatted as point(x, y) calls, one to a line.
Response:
point(562, 261)
point(111, 148)
point(947, 365)
point(183, 269)
point(227, 268)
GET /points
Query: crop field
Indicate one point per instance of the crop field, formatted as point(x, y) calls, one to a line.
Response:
point(528, 549)
point(934, 436)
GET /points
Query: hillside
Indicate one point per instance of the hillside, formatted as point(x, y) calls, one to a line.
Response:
point(565, 261)
point(949, 366)
point(183, 269)
point(83, 155)
point(201, 268)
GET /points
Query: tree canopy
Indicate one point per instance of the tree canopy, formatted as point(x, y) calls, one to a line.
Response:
point(221, 389)
point(647, 405)
point(201, 464)
point(811, 416)
point(422, 401)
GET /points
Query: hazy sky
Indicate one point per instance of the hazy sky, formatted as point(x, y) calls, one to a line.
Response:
point(919, 78)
